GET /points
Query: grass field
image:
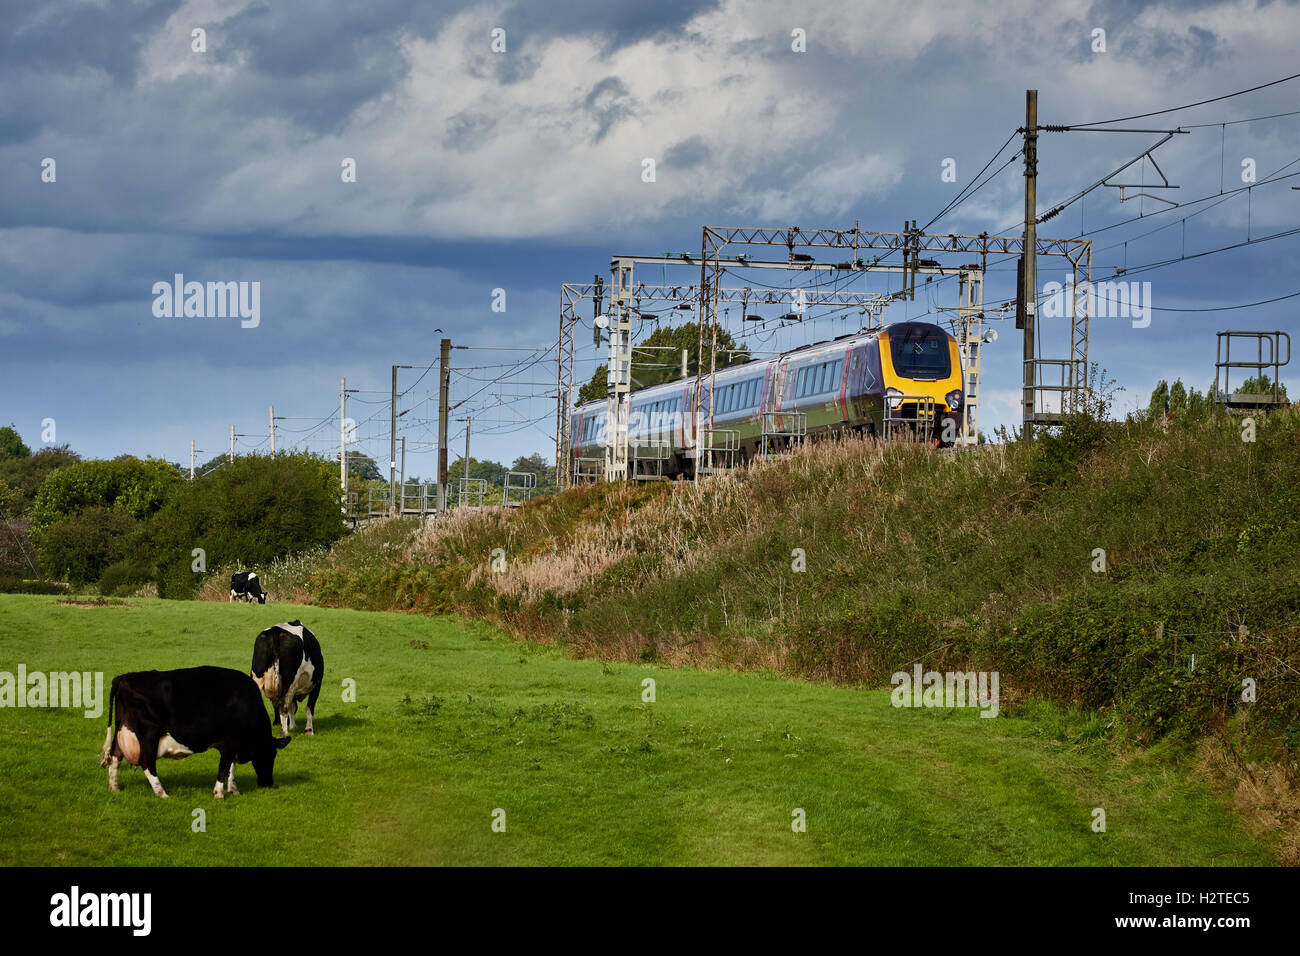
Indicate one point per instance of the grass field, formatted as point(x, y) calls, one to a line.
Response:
point(452, 721)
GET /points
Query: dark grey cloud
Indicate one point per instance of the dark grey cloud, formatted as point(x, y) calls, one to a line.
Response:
point(167, 173)
point(608, 103)
point(688, 153)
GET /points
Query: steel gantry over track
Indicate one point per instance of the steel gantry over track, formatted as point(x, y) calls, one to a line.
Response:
point(911, 243)
point(1047, 402)
point(627, 298)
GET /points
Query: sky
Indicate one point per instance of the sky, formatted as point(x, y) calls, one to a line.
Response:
point(502, 146)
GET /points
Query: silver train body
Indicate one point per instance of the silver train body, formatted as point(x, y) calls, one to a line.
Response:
point(905, 374)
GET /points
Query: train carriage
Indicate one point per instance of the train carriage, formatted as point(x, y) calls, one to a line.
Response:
point(906, 376)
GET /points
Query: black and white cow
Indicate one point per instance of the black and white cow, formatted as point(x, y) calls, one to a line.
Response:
point(288, 666)
point(244, 584)
point(153, 714)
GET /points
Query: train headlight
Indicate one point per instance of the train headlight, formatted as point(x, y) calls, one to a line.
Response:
point(893, 397)
point(954, 399)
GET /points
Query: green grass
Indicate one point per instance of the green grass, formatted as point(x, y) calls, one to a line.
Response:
point(453, 720)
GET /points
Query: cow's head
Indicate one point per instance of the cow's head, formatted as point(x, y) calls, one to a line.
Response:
point(261, 598)
point(264, 762)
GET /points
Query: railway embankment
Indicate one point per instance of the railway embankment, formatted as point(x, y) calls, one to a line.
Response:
point(1145, 573)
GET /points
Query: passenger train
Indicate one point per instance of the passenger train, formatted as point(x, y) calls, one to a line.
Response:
point(907, 375)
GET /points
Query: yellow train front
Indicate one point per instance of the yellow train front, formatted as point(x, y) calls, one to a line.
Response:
point(921, 374)
point(902, 381)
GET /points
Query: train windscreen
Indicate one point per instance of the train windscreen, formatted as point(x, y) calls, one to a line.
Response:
point(920, 352)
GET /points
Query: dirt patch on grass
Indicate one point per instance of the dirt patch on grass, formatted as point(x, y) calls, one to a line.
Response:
point(94, 602)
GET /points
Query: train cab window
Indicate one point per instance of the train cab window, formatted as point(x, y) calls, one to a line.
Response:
point(919, 351)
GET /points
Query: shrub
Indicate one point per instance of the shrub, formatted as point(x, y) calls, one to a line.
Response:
point(127, 484)
point(124, 578)
point(249, 512)
point(80, 548)
point(15, 585)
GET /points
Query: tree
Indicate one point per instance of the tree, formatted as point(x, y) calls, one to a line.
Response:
point(78, 548)
point(538, 466)
point(362, 466)
point(128, 484)
point(26, 475)
point(1178, 397)
point(491, 471)
point(653, 366)
point(250, 511)
point(11, 501)
point(1159, 399)
point(11, 444)
point(1259, 386)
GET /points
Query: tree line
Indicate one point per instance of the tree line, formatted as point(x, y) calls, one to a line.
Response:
point(125, 523)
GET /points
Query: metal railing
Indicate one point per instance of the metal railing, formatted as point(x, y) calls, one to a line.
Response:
point(518, 488)
point(914, 415)
point(647, 458)
point(781, 431)
point(417, 499)
point(1224, 364)
point(1069, 390)
point(587, 469)
point(718, 451)
point(470, 490)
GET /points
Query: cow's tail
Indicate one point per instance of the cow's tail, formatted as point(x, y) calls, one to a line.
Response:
point(107, 752)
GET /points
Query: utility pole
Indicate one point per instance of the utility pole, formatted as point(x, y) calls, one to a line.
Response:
point(272, 429)
point(403, 484)
point(464, 472)
point(392, 445)
point(191, 459)
point(444, 387)
point(343, 437)
point(1029, 283)
point(232, 443)
point(685, 358)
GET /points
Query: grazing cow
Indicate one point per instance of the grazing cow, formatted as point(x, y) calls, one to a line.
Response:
point(288, 666)
point(244, 584)
point(153, 714)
